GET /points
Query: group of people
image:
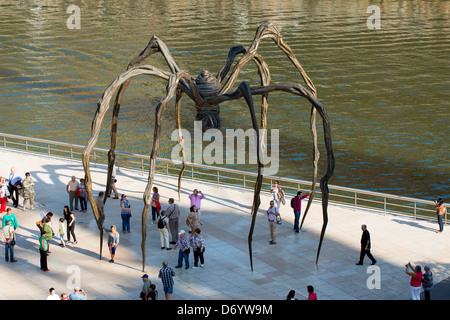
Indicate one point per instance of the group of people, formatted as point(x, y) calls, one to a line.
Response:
point(78, 294)
point(311, 294)
point(274, 215)
point(16, 187)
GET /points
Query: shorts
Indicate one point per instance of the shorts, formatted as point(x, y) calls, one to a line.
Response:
point(113, 250)
point(168, 290)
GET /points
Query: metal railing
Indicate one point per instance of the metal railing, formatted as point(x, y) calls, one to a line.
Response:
point(356, 198)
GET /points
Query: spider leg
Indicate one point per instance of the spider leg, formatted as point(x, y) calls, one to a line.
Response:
point(269, 31)
point(102, 107)
point(297, 89)
point(180, 139)
point(155, 45)
point(234, 51)
point(172, 86)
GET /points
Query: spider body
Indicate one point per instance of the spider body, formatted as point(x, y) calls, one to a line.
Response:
point(208, 88)
point(208, 92)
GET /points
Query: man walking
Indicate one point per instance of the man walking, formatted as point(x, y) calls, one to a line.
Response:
point(272, 214)
point(14, 181)
point(173, 213)
point(365, 246)
point(166, 275)
point(296, 204)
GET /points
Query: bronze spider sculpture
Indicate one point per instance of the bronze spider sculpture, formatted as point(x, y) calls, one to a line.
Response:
point(208, 93)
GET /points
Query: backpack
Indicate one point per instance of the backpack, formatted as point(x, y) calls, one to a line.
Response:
point(161, 223)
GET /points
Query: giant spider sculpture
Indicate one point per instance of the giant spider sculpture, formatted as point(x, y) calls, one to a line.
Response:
point(208, 92)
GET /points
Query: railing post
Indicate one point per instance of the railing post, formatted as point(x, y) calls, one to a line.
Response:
point(192, 173)
point(4, 141)
point(244, 182)
point(167, 170)
point(415, 210)
point(48, 149)
point(385, 206)
point(356, 200)
point(142, 167)
point(26, 145)
point(218, 178)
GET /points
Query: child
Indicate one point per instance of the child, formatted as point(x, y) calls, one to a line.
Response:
point(61, 231)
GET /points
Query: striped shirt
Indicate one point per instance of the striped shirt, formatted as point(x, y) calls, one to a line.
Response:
point(166, 275)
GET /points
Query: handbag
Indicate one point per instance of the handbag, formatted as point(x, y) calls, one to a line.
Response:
point(13, 241)
point(187, 251)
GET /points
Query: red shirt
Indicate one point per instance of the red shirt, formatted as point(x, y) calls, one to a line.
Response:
point(417, 280)
point(312, 296)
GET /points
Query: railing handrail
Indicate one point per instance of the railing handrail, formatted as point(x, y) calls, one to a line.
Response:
point(220, 169)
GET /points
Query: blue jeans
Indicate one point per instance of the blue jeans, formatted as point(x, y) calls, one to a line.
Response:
point(181, 256)
point(125, 222)
point(9, 251)
point(441, 222)
point(297, 220)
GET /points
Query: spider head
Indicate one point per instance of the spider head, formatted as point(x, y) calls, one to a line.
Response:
point(205, 77)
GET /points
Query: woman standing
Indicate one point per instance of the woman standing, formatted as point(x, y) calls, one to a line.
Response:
point(113, 241)
point(82, 195)
point(193, 219)
point(71, 220)
point(125, 213)
point(10, 216)
point(4, 192)
point(28, 191)
point(427, 282)
point(156, 205)
point(416, 280)
point(440, 211)
point(198, 246)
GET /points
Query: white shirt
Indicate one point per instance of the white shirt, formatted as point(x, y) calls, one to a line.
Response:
point(53, 297)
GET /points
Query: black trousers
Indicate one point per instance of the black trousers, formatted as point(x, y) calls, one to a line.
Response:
point(43, 254)
point(198, 254)
point(14, 192)
point(365, 252)
point(71, 230)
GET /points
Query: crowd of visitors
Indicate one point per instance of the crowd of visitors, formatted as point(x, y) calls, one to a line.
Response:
point(167, 219)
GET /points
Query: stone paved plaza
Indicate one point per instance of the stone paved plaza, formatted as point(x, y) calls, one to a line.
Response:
point(290, 264)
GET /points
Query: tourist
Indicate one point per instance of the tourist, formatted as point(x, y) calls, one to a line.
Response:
point(193, 219)
point(61, 232)
point(296, 204)
point(415, 283)
point(156, 205)
point(278, 198)
point(64, 296)
point(163, 227)
point(113, 241)
point(71, 219)
point(9, 216)
point(125, 213)
point(78, 294)
point(198, 247)
point(145, 287)
point(28, 191)
point(272, 214)
point(100, 205)
point(183, 253)
point(71, 189)
point(112, 186)
point(53, 295)
point(47, 228)
point(82, 195)
point(440, 211)
point(427, 282)
point(43, 248)
point(196, 200)
point(365, 246)
point(311, 294)
point(9, 237)
point(291, 295)
point(152, 293)
point(15, 182)
point(166, 275)
point(4, 193)
point(173, 213)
